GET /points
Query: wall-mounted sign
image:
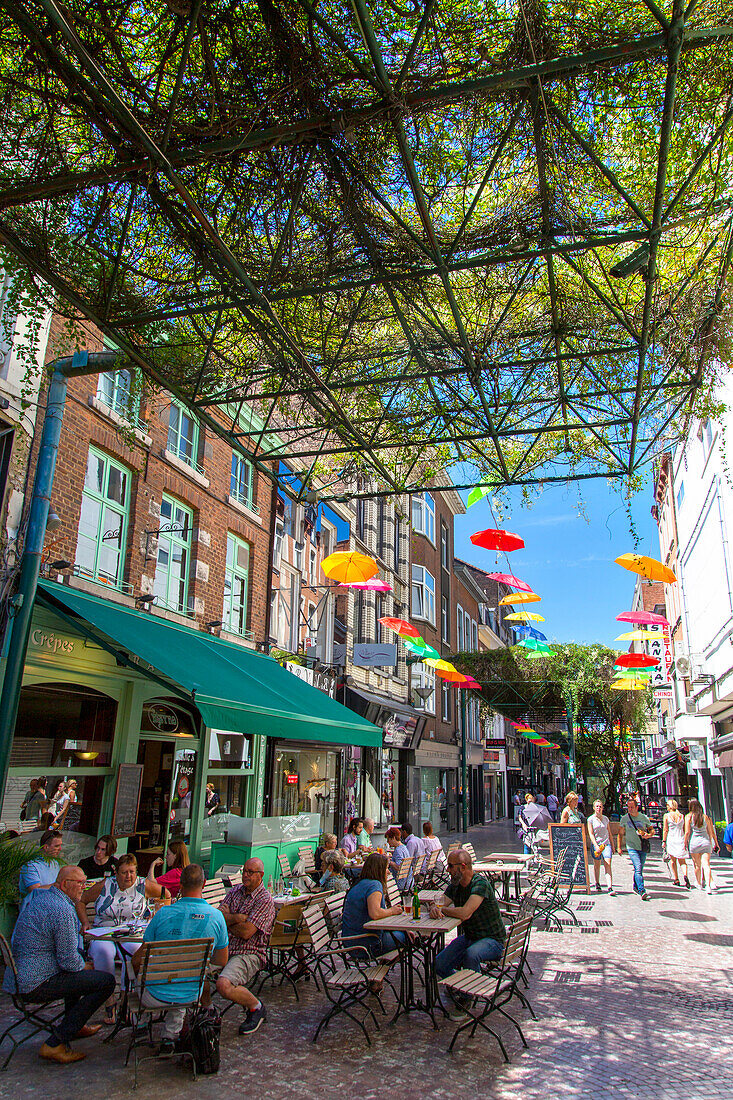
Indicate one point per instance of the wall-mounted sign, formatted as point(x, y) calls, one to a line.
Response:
point(167, 719)
point(291, 780)
point(162, 718)
point(375, 655)
point(495, 742)
point(52, 643)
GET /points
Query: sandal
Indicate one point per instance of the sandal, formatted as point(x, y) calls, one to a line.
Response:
point(110, 1015)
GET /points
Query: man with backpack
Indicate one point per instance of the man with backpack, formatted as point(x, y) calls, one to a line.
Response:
point(191, 918)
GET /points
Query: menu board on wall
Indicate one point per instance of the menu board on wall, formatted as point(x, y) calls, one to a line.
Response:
point(127, 799)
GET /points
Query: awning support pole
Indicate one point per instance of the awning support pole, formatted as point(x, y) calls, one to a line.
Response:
point(22, 603)
point(464, 762)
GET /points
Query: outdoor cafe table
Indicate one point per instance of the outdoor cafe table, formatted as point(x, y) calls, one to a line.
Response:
point(431, 936)
point(117, 935)
point(503, 869)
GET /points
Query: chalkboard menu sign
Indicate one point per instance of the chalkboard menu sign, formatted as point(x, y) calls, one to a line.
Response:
point(572, 837)
point(127, 799)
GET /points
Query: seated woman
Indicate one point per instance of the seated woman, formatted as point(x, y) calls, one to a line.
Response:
point(350, 840)
point(102, 862)
point(330, 841)
point(365, 901)
point(333, 877)
point(432, 844)
point(176, 859)
point(118, 900)
point(398, 853)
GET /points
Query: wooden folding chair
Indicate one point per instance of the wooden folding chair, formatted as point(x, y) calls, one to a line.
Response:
point(468, 847)
point(393, 891)
point(307, 856)
point(496, 989)
point(283, 959)
point(29, 1012)
point(425, 875)
point(405, 875)
point(345, 973)
point(285, 868)
point(334, 906)
point(164, 962)
point(214, 891)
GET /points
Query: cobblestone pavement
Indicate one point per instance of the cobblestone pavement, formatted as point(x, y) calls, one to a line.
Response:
point(637, 1001)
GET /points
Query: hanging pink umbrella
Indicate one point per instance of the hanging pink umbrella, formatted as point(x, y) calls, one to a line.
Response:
point(645, 617)
point(513, 582)
point(368, 586)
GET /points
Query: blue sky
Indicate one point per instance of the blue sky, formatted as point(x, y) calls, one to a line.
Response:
point(571, 533)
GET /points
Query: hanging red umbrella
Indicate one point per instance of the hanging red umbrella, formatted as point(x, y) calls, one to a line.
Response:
point(636, 660)
point(496, 539)
point(400, 627)
point(645, 617)
point(513, 582)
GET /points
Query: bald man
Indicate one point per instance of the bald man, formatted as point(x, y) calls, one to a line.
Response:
point(249, 912)
point(46, 946)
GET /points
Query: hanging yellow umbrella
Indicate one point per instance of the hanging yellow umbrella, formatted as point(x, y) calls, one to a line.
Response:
point(640, 636)
point(440, 664)
point(629, 685)
point(519, 597)
point(524, 617)
point(349, 566)
point(650, 568)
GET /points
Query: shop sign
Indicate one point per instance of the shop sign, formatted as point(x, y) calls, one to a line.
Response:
point(664, 691)
point(374, 655)
point(322, 679)
point(291, 780)
point(162, 718)
point(495, 742)
point(398, 731)
point(54, 643)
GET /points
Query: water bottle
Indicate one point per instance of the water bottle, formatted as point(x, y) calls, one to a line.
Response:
point(270, 884)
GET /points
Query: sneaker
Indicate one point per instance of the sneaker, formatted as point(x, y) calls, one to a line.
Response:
point(645, 897)
point(166, 1048)
point(708, 889)
point(253, 1017)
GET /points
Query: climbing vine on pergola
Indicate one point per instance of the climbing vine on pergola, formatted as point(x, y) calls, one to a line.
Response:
point(403, 235)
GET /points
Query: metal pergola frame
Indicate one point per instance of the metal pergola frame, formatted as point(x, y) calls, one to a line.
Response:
point(385, 242)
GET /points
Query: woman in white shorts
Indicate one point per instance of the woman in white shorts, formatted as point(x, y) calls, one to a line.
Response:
point(600, 838)
point(700, 839)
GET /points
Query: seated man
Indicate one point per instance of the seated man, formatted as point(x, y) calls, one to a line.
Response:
point(471, 900)
point(249, 912)
point(191, 918)
point(39, 874)
point(50, 964)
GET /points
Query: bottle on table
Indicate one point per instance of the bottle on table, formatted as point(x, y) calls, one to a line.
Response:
point(415, 905)
point(270, 884)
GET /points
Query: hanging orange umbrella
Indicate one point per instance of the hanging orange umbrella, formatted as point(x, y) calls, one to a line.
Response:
point(519, 597)
point(400, 627)
point(349, 566)
point(650, 568)
point(524, 617)
point(452, 676)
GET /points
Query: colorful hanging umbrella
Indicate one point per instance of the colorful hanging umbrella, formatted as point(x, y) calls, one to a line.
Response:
point(638, 672)
point(400, 627)
point(439, 664)
point(376, 585)
point(496, 539)
point(639, 636)
point(477, 493)
point(513, 582)
point(524, 628)
point(471, 683)
point(519, 597)
point(420, 647)
point(650, 568)
point(628, 685)
point(349, 566)
point(453, 676)
point(524, 617)
point(636, 660)
point(532, 643)
point(646, 618)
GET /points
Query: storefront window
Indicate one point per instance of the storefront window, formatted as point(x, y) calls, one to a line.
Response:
point(63, 726)
point(306, 781)
point(372, 788)
point(182, 793)
point(390, 786)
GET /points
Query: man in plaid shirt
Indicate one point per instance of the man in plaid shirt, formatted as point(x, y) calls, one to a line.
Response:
point(480, 936)
point(249, 912)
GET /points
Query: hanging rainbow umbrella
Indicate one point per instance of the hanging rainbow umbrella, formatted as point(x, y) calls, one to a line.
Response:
point(636, 660)
point(524, 617)
point(650, 568)
point(519, 597)
point(640, 636)
point(400, 626)
point(496, 539)
point(420, 647)
point(477, 493)
point(376, 585)
point(513, 582)
point(349, 566)
point(645, 618)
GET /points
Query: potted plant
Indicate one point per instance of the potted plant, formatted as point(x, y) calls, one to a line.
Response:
point(720, 827)
point(14, 854)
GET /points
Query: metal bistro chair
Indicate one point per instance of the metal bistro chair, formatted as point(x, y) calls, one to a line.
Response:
point(164, 962)
point(29, 1012)
point(554, 895)
point(345, 973)
point(496, 989)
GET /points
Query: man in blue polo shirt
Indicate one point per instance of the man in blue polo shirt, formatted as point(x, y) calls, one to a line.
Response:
point(191, 918)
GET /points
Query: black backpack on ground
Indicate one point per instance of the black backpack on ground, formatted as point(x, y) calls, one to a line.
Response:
point(201, 1036)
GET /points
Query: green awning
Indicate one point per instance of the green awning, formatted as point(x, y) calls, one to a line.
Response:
point(234, 688)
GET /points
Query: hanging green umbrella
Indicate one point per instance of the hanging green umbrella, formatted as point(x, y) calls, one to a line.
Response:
point(478, 493)
point(420, 647)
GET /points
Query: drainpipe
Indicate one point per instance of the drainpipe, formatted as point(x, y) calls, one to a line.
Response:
point(464, 762)
point(23, 601)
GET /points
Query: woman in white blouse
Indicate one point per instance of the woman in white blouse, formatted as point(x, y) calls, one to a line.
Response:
point(602, 850)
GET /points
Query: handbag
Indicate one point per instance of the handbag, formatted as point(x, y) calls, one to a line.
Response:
point(201, 1037)
point(646, 843)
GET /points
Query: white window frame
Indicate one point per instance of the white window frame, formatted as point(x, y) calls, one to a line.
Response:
point(423, 515)
point(445, 619)
point(423, 585)
point(106, 504)
point(424, 676)
point(445, 701)
point(182, 537)
point(459, 636)
point(474, 636)
point(241, 483)
point(179, 443)
point(115, 392)
point(234, 612)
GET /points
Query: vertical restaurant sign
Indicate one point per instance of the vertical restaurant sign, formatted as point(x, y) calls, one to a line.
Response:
point(661, 649)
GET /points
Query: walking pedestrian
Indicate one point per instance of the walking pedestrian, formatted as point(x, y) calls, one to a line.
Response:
point(673, 841)
point(701, 839)
point(638, 830)
point(553, 805)
point(600, 836)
